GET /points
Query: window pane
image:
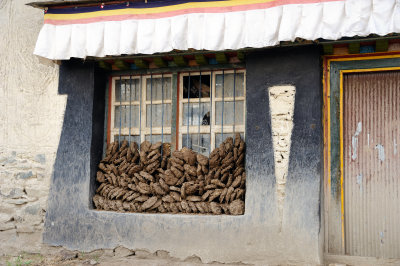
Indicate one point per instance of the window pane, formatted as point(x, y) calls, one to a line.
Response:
point(155, 116)
point(122, 118)
point(228, 80)
point(156, 138)
point(198, 143)
point(195, 89)
point(218, 137)
point(126, 137)
point(126, 91)
point(228, 113)
point(195, 116)
point(154, 89)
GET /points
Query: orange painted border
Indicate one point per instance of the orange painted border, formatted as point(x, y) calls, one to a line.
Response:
point(178, 76)
point(109, 109)
point(326, 149)
point(326, 111)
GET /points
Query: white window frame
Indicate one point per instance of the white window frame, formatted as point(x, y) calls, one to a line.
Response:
point(143, 130)
point(215, 129)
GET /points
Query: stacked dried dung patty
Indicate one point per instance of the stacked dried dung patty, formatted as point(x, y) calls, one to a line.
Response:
point(157, 181)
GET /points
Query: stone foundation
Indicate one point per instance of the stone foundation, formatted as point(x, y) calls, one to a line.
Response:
point(24, 186)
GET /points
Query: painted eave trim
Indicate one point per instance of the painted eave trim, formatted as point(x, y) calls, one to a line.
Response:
point(44, 4)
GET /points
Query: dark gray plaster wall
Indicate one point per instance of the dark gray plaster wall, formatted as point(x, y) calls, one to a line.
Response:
point(299, 67)
point(254, 237)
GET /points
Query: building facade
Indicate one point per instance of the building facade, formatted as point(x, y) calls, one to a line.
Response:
point(319, 120)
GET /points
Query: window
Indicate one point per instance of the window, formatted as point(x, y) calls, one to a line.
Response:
point(195, 110)
point(210, 107)
point(213, 108)
point(141, 108)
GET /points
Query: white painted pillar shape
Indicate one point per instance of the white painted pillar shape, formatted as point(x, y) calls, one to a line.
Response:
point(281, 102)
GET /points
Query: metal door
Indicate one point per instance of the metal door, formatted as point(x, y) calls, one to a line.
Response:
point(371, 163)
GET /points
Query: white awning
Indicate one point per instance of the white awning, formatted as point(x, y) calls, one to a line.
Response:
point(163, 26)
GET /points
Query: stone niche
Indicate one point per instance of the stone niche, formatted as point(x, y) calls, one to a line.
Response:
point(151, 179)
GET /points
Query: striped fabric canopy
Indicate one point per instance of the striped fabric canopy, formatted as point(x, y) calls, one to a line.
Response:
point(163, 26)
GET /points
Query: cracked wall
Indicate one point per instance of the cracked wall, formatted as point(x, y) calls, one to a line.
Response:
point(31, 114)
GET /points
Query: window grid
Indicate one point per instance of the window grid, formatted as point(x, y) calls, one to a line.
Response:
point(139, 83)
point(117, 131)
point(213, 129)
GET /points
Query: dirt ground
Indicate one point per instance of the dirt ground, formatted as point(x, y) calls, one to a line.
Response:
point(118, 257)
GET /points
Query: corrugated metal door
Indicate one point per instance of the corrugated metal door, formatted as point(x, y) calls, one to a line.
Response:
point(371, 128)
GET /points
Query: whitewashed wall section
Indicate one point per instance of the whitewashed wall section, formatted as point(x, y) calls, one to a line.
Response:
point(31, 116)
point(281, 101)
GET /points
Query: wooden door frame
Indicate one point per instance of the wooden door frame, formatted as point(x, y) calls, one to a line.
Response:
point(334, 67)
